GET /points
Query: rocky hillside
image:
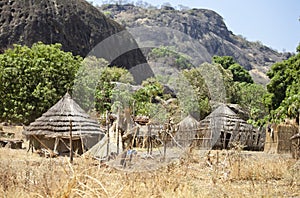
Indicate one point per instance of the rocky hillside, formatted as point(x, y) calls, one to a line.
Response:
point(76, 24)
point(208, 28)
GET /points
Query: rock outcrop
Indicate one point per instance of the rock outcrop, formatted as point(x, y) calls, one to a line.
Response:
point(76, 24)
point(208, 28)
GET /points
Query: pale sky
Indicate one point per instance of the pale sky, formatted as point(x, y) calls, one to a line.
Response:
point(275, 23)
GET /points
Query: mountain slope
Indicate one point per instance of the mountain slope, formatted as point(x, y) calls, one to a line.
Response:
point(76, 24)
point(207, 27)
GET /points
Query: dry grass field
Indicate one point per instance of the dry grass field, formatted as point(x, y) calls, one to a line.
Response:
point(233, 173)
point(197, 174)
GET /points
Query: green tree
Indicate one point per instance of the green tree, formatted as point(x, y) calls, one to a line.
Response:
point(240, 74)
point(104, 89)
point(145, 96)
point(250, 97)
point(283, 99)
point(86, 81)
point(225, 61)
point(33, 79)
point(201, 92)
point(168, 56)
point(220, 83)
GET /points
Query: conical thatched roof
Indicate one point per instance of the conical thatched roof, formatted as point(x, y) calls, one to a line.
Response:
point(188, 123)
point(187, 130)
point(223, 116)
point(223, 111)
point(223, 119)
point(57, 120)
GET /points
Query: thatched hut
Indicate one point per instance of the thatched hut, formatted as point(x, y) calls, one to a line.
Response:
point(223, 127)
point(278, 138)
point(52, 131)
point(187, 131)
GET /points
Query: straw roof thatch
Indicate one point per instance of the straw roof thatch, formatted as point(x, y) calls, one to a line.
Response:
point(224, 125)
point(187, 130)
point(56, 122)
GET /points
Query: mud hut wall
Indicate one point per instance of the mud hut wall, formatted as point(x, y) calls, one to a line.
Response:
point(205, 134)
point(224, 133)
point(204, 139)
point(258, 139)
point(40, 141)
point(278, 140)
point(62, 147)
point(285, 132)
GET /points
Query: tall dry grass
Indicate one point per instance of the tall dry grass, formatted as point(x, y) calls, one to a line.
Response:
point(197, 174)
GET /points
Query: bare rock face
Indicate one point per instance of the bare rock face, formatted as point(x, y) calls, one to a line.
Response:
point(208, 28)
point(73, 23)
point(76, 24)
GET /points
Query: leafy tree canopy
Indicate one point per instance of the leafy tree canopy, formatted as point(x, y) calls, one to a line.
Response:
point(225, 61)
point(104, 89)
point(86, 81)
point(239, 73)
point(33, 79)
point(201, 92)
point(242, 90)
point(283, 99)
point(250, 97)
point(145, 96)
point(168, 56)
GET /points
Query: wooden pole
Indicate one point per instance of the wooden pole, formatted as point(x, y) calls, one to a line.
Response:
point(108, 140)
point(297, 147)
point(299, 122)
point(151, 142)
point(117, 130)
point(71, 143)
point(56, 144)
point(165, 141)
point(166, 136)
point(148, 140)
point(133, 109)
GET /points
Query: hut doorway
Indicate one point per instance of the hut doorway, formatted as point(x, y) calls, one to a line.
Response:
point(225, 139)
